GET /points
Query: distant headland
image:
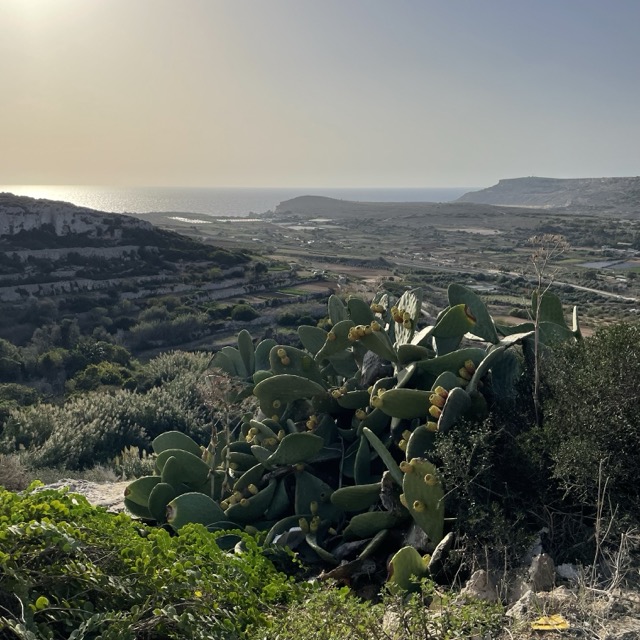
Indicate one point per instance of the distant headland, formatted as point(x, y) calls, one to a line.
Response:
point(618, 194)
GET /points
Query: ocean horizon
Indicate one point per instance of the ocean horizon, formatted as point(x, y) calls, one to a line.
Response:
point(218, 201)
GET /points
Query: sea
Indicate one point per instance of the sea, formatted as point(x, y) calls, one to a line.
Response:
point(217, 201)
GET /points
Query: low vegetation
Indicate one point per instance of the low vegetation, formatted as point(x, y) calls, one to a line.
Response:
point(369, 441)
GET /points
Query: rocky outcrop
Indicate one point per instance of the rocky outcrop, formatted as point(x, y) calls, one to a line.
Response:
point(620, 194)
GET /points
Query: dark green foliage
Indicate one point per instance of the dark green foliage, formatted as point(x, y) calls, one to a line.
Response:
point(243, 312)
point(95, 427)
point(592, 416)
point(491, 491)
point(13, 396)
point(97, 375)
point(10, 362)
point(68, 570)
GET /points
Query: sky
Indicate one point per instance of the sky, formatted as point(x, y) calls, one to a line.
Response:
point(317, 93)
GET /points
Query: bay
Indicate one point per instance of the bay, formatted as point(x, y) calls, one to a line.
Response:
point(217, 201)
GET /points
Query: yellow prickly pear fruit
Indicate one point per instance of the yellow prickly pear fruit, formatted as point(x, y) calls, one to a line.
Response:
point(470, 366)
point(315, 523)
point(431, 426)
point(436, 400)
point(331, 336)
point(336, 393)
point(402, 445)
point(286, 361)
point(375, 326)
point(244, 502)
point(403, 500)
point(368, 330)
point(441, 391)
point(281, 434)
point(406, 316)
point(361, 414)
point(430, 479)
point(435, 412)
point(304, 525)
point(418, 506)
point(270, 442)
point(224, 505)
point(281, 353)
point(252, 489)
point(407, 324)
point(276, 405)
point(406, 467)
point(464, 374)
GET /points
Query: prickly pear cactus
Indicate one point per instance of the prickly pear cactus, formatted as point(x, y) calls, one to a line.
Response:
point(336, 455)
point(424, 497)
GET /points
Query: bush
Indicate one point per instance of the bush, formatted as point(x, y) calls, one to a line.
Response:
point(13, 475)
point(592, 416)
point(244, 312)
point(96, 375)
point(329, 613)
point(68, 570)
point(95, 427)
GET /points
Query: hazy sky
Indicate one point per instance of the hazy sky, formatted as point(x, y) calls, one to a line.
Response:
point(422, 93)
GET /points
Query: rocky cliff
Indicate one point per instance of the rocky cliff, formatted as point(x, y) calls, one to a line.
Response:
point(616, 195)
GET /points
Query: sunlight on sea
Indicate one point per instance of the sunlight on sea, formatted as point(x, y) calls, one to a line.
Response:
point(214, 201)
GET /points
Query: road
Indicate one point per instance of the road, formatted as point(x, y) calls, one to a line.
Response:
point(511, 274)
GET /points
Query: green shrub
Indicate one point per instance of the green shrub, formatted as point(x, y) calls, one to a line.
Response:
point(68, 570)
point(95, 427)
point(329, 613)
point(10, 362)
point(169, 365)
point(494, 492)
point(244, 312)
point(13, 475)
point(133, 463)
point(592, 416)
point(96, 375)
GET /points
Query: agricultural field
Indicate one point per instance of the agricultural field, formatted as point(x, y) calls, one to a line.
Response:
point(366, 246)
